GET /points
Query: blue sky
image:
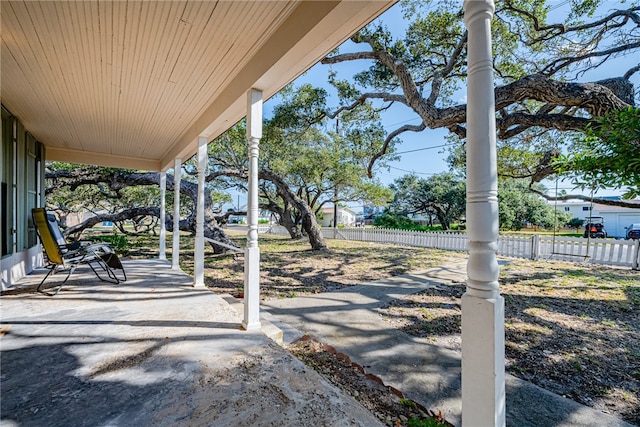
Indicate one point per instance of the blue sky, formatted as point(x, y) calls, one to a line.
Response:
point(421, 153)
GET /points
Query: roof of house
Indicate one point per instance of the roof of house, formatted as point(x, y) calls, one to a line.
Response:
point(326, 209)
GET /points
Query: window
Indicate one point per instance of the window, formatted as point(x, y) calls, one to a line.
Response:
point(586, 208)
point(21, 171)
point(6, 193)
point(32, 166)
point(567, 208)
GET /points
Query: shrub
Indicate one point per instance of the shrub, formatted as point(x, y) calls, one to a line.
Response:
point(118, 242)
point(389, 220)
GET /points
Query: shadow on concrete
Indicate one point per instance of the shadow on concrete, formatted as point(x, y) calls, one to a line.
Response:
point(349, 321)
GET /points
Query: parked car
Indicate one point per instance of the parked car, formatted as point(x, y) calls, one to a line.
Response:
point(633, 231)
point(594, 227)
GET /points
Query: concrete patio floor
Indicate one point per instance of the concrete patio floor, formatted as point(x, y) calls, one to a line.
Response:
point(151, 351)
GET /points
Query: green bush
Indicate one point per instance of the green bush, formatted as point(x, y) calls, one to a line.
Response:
point(388, 220)
point(425, 422)
point(401, 222)
point(575, 223)
point(118, 242)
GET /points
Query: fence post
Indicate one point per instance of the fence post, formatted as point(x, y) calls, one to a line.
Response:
point(635, 265)
point(535, 247)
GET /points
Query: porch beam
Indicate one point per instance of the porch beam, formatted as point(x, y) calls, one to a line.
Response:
point(198, 256)
point(177, 173)
point(163, 214)
point(252, 251)
point(483, 389)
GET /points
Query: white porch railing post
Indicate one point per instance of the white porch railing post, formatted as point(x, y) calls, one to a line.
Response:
point(177, 172)
point(163, 215)
point(198, 256)
point(252, 251)
point(483, 389)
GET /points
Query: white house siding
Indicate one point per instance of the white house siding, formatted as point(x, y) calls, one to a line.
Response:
point(615, 218)
point(615, 222)
point(345, 217)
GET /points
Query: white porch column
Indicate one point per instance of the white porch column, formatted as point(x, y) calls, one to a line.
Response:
point(163, 208)
point(198, 256)
point(483, 390)
point(175, 258)
point(252, 251)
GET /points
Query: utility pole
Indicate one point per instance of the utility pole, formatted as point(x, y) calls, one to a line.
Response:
point(335, 191)
point(335, 207)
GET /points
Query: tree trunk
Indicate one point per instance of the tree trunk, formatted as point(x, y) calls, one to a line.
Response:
point(309, 223)
point(285, 218)
point(291, 227)
point(442, 218)
point(288, 222)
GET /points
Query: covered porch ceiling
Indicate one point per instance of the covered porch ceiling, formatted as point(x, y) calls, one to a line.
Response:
point(134, 83)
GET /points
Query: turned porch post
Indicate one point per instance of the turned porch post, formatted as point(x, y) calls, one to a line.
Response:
point(252, 251)
point(198, 256)
point(163, 214)
point(483, 390)
point(175, 258)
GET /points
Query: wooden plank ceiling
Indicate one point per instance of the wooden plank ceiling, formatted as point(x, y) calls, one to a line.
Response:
point(134, 83)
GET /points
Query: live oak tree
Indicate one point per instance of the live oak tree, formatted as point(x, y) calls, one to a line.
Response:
point(517, 207)
point(444, 196)
point(109, 194)
point(98, 199)
point(538, 64)
point(441, 195)
point(307, 160)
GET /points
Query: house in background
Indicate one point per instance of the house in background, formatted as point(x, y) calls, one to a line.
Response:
point(346, 216)
point(616, 218)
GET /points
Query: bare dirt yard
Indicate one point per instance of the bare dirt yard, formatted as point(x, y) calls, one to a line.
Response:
point(289, 268)
point(571, 328)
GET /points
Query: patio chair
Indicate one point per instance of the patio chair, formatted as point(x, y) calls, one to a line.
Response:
point(62, 256)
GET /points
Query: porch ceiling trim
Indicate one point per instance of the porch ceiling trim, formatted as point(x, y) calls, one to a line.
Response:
point(101, 159)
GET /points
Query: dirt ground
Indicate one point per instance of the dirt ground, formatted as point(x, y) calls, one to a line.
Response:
point(289, 268)
point(389, 406)
point(571, 328)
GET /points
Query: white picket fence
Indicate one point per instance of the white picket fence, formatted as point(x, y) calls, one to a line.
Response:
point(624, 253)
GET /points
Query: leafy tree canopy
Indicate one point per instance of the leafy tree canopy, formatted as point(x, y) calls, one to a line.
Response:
point(517, 207)
point(541, 60)
point(608, 156)
point(442, 195)
point(307, 159)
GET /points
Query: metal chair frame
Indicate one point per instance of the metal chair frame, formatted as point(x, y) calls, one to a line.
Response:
point(61, 256)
